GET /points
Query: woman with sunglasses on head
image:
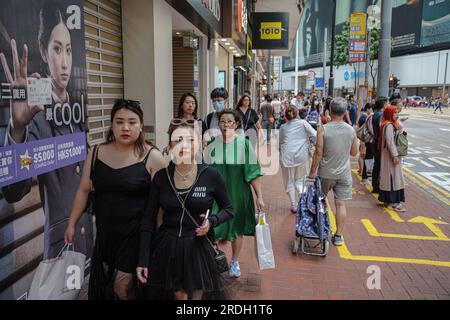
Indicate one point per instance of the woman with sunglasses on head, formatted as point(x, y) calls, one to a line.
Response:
point(121, 175)
point(179, 256)
point(234, 157)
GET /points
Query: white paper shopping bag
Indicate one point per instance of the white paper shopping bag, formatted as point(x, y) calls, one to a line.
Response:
point(264, 250)
point(59, 278)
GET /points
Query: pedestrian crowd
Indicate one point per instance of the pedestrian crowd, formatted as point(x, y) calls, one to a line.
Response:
point(161, 217)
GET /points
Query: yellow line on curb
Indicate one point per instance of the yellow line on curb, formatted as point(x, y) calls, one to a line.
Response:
point(427, 182)
point(428, 189)
point(390, 212)
point(344, 253)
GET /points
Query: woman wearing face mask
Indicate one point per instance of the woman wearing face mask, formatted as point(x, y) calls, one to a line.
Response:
point(178, 257)
point(30, 123)
point(313, 115)
point(234, 157)
point(122, 171)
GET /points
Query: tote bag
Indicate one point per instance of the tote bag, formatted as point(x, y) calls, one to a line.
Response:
point(59, 278)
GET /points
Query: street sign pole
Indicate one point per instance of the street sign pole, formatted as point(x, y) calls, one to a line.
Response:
point(445, 79)
point(333, 34)
point(325, 59)
point(296, 64)
point(384, 55)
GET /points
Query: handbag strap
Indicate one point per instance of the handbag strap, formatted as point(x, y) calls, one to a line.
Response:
point(66, 246)
point(182, 202)
point(94, 159)
point(306, 131)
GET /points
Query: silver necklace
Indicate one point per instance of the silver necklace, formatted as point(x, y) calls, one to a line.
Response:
point(185, 176)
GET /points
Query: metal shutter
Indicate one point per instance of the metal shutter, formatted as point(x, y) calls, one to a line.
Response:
point(103, 29)
point(183, 71)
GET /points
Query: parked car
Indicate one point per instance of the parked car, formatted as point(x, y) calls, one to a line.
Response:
point(417, 101)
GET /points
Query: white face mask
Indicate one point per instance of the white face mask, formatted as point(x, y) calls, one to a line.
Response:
point(316, 103)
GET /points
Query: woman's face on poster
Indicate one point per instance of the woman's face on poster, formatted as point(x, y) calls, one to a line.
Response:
point(58, 55)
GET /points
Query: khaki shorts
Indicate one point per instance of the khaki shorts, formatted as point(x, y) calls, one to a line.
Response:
point(342, 188)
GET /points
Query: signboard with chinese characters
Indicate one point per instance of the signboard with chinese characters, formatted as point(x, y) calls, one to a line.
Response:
point(357, 37)
point(358, 26)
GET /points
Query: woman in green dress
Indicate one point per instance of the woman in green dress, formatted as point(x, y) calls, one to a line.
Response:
point(234, 157)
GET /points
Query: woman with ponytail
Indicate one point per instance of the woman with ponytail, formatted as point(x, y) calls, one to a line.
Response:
point(295, 138)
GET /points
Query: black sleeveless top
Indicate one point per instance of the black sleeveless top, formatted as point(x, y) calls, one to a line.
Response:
point(120, 199)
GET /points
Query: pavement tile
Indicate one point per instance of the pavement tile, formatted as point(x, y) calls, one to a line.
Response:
point(305, 277)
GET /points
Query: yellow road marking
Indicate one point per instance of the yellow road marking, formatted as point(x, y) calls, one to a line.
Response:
point(374, 233)
point(390, 212)
point(344, 253)
point(431, 224)
point(429, 186)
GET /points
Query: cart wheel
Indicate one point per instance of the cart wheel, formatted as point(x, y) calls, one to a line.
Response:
point(326, 247)
point(295, 246)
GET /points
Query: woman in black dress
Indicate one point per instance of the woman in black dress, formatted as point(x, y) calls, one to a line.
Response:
point(179, 256)
point(123, 168)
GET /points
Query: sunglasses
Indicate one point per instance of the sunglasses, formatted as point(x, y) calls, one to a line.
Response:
point(177, 122)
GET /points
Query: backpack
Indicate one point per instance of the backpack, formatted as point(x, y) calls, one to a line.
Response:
point(313, 117)
point(363, 133)
point(401, 142)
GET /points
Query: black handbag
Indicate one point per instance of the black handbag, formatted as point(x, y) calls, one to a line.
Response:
point(90, 202)
point(221, 260)
point(220, 257)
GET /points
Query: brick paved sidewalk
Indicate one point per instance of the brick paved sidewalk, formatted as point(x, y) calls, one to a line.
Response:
point(333, 277)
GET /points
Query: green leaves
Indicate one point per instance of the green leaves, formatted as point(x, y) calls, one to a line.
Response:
point(342, 46)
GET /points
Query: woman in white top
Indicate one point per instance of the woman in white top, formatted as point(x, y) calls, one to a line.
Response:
point(295, 138)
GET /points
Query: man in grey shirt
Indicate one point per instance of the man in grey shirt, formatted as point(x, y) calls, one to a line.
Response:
point(336, 141)
point(266, 111)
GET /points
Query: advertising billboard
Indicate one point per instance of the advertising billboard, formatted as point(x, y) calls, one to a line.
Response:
point(43, 114)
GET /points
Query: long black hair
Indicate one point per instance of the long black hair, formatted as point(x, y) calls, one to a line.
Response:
point(50, 15)
point(181, 102)
point(135, 107)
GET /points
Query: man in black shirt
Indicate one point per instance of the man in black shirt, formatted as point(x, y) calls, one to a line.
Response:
point(380, 104)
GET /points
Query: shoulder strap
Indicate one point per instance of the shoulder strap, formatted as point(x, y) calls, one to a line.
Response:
point(148, 154)
point(94, 158)
point(208, 120)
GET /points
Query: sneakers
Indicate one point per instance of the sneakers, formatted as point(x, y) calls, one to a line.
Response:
point(235, 270)
point(293, 208)
point(337, 240)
